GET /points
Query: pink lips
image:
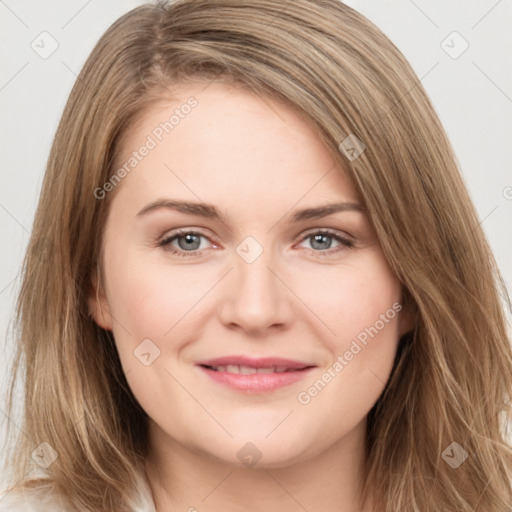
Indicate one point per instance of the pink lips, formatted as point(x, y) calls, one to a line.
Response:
point(256, 382)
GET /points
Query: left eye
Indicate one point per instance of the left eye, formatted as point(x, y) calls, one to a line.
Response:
point(321, 241)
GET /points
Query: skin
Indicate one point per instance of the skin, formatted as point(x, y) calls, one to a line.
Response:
point(258, 162)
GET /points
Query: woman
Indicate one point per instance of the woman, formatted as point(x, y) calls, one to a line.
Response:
point(263, 283)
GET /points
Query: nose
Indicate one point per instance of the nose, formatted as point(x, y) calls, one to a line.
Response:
point(255, 298)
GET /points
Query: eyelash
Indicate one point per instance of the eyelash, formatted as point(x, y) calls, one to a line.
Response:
point(344, 242)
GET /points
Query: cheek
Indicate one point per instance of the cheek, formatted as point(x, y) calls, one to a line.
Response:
point(361, 304)
point(150, 299)
point(350, 298)
point(156, 303)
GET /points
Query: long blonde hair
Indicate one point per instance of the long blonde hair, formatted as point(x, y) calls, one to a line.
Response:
point(452, 378)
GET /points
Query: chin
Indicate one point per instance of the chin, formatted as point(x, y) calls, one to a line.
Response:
point(256, 452)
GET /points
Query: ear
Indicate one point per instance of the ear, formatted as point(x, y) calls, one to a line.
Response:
point(98, 305)
point(407, 316)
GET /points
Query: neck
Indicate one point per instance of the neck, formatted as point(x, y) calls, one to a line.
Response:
point(183, 479)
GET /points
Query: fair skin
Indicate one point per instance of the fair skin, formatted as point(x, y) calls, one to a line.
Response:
point(258, 163)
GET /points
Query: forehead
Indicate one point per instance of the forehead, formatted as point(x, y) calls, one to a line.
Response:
point(222, 143)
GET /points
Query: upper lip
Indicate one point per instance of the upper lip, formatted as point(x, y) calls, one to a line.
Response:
point(263, 362)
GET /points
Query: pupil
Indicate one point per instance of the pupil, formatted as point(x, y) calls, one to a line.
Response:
point(320, 239)
point(189, 242)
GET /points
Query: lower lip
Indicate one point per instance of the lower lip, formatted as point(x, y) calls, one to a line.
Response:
point(257, 382)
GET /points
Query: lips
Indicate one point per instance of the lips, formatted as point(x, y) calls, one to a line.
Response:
point(248, 370)
point(278, 363)
point(255, 375)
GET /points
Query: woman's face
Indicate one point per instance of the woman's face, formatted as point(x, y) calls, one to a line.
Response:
point(258, 271)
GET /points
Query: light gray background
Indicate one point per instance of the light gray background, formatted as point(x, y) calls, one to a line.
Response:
point(472, 95)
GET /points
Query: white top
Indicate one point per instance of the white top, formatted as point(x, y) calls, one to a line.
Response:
point(41, 501)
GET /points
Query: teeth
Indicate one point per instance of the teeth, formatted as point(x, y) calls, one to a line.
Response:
point(245, 370)
point(248, 370)
point(265, 370)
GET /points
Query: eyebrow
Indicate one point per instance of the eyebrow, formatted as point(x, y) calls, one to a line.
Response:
point(209, 211)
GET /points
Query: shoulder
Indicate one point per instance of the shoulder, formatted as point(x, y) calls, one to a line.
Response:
point(30, 501)
point(45, 499)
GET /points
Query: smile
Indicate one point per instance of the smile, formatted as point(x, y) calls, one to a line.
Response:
point(255, 380)
point(249, 370)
